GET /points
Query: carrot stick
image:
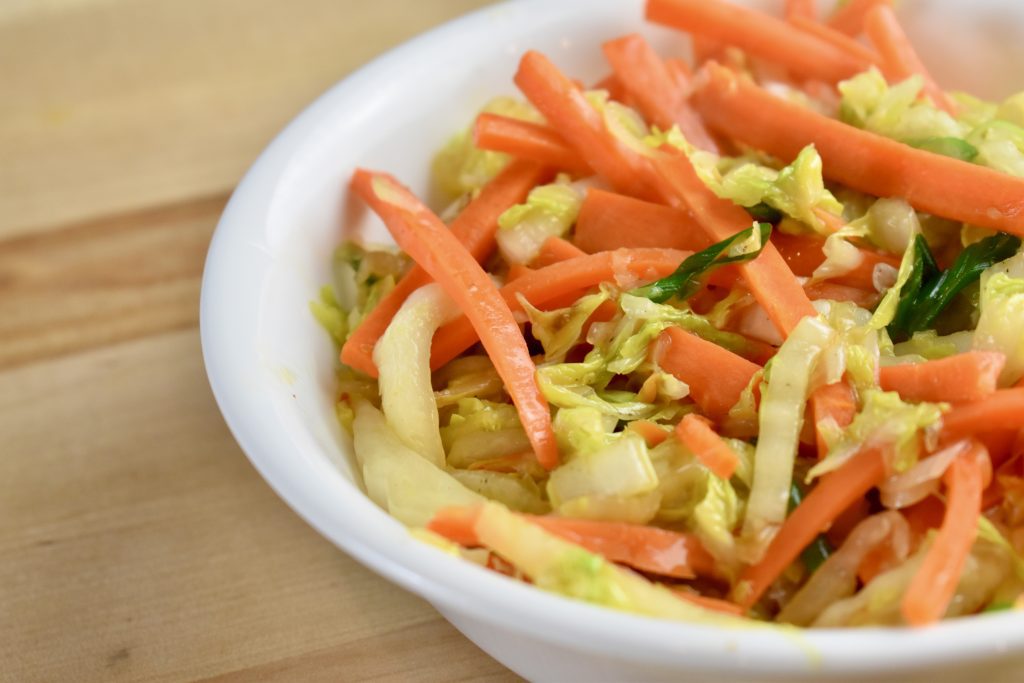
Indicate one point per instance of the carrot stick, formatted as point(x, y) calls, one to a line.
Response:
point(835, 492)
point(423, 236)
point(768, 277)
point(930, 182)
point(758, 34)
point(680, 70)
point(696, 434)
point(650, 549)
point(556, 250)
point(865, 298)
point(526, 140)
point(516, 271)
point(966, 376)
point(999, 411)
point(562, 103)
point(651, 433)
point(933, 586)
point(836, 401)
point(716, 376)
point(548, 284)
point(837, 38)
point(802, 9)
point(608, 220)
point(613, 85)
point(849, 18)
point(723, 606)
point(804, 253)
point(899, 59)
point(657, 91)
point(474, 227)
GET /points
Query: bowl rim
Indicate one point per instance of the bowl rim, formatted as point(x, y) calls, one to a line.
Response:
point(237, 265)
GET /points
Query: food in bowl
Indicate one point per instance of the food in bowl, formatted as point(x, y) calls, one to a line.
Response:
point(713, 341)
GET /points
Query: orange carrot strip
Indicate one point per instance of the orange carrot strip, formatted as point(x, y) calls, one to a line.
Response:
point(836, 401)
point(526, 140)
point(556, 250)
point(999, 411)
point(696, 434)
point(516, 271)
point(715, 604)
point(849, 18)
point(658, 92)
point(423, 236)
point(651, 433)
point(836, 38)
point(562, 103)
point(768, 277)
point(608, 220)
point(680, 70)
point(548, 284)
point(802, 9)
point(865, 298)
point(716, 376)
point(650, 549)
point(934, 584)
point(930, 182)
point(474, 227)
point(758, 34)
point(804, 253)
point(613, 85)
point(835, 492)
point(899, 59)
point(966, 376)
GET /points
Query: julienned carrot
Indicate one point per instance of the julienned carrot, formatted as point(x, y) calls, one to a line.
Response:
point(837, 38)
point(803, 9)
point(572, 278)
point(835, 492)
point(608, 220)
point(526, 140)
point(696, 434)
point(865, 298)
point(768, 277)
point(516, 271)
point(564, 106)
point(758, 34)
point(933, 586)
point(430, 243)
point(651, 432)
point(804, 253)
point(1002, 410)
point(930, 182)
point(658, 93)
point(613, 85)
point(716, 376)
point(963, 377)
point(556, 250)
point(650, 549)
point(849, 18)
point(899, 59)
point(836, 401)
point(474, 227)
point(715, 604)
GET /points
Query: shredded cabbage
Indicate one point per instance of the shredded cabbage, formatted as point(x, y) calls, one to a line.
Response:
point(1001, 322)
point(549, 211)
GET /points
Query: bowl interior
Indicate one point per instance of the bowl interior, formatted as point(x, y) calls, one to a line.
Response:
point(272, 367)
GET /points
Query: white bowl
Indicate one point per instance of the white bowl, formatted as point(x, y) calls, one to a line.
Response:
point(271, 366)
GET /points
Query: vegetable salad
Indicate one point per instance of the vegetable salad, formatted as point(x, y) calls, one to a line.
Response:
point(733, 337)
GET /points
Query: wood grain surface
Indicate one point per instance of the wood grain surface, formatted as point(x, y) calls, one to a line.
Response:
point(137, 542)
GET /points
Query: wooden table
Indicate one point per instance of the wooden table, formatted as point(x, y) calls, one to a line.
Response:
point(137, 542)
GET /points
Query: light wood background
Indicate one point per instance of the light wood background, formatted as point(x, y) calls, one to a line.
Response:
point(136, 542)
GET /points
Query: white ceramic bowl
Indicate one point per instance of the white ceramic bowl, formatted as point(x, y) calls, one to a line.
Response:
point(270, 365)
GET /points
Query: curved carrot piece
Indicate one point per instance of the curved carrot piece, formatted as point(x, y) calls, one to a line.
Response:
point(716, 376)
point(562, 103)
point(474, 227)
point(647, 548)
point(934, 584)
point(758, 34)
point(423, 236)
point(966, 376)
point(836, 38)
point(930, 182)
point(835, 492)
point(608, 220)
point(1002, 410)
point(556, 250)
point(566, 280)
point(656, 89)
point(696, 434)
point(849, 18)
point(526, 140)
point(803, 9)
point(837, 401)
point(768, 277)
point(899, 59)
